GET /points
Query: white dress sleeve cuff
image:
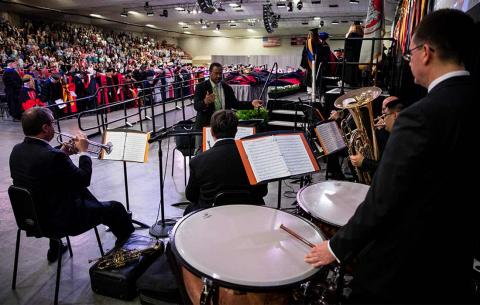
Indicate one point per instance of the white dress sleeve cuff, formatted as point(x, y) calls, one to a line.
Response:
point(330, 249)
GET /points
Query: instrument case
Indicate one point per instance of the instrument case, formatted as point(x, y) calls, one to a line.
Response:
point(159, 284)
point(120, 282)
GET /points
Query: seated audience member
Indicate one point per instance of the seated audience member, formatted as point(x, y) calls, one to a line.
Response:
point(220, 168)
point(58, 186)
point(391, 108)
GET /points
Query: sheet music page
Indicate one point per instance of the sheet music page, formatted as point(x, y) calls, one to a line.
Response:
point(209, 138)
point(331, 138)
point(135, 145)
point(265, 158)
point(118, 145)
point(242, 132)
point(295, 154)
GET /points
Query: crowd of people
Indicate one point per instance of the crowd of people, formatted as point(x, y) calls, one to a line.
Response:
point(69, 62)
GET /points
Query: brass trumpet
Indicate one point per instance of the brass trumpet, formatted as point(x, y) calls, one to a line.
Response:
point(379, 121)
point(98, 146)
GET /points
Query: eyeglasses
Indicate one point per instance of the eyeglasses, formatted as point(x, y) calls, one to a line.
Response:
point(408, 54)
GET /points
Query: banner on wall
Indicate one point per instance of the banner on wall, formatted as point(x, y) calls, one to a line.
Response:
point(374, 28)
point(298, 41)
point(269, 42)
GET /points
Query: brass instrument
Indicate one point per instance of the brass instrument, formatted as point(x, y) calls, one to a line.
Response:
point(362, 139)
point(122, 257)
point(98, 146)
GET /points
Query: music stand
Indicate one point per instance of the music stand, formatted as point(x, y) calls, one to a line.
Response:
point(163, 226)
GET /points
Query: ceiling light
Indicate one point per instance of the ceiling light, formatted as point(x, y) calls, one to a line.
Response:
point(180, 9)
point(335, 22)
point(234, 5)
point(304, 22)
point(182, 23)
point(150, 25)
point(150, 13)
point(194, 11)
point(134, 13)
point(185, 27)
point(316, 18)
point(281, 4)
point(96, 15)
point(187, 32)
point(299, 5)
point(124, 13)
point(232, 24)
point(204, 26)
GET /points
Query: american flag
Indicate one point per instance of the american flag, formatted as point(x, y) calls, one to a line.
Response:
point(269, 42)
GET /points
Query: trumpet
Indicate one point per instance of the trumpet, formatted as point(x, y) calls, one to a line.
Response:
point(379, 121)
point(98, 146)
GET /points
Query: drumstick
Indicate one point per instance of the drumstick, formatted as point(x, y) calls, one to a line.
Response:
point(300, 238)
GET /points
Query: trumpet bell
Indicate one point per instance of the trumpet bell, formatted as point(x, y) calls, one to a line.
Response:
point(357, 98)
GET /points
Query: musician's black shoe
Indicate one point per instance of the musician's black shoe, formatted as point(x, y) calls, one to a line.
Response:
point(52, 254)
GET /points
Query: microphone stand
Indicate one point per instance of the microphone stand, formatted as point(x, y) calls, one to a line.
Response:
point(162, 227)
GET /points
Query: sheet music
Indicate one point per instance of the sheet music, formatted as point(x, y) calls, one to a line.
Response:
point(118, 145)
point(295, 154)
point(135, 145)
point(60, 103)
point(330, 137)
point(265, 158)
point(242, 132)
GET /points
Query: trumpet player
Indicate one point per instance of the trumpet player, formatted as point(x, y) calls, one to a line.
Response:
point(59, 188)
point(391, 108)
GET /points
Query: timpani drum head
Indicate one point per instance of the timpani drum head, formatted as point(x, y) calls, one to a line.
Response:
point(243, 246)
point(334, 202)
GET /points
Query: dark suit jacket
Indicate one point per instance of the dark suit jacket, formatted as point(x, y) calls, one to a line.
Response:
point(56, 184)
point(218, 169)
point(415, 232)
point(204, 112)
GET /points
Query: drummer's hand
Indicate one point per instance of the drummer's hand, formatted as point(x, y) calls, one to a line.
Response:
point(257, 103)
point(320, 255)
point(357, 160)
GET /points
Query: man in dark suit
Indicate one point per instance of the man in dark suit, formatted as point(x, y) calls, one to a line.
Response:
point(213, 94)
point(414, 234)
point(58, 186)
point(13, 84)
point(220, 168)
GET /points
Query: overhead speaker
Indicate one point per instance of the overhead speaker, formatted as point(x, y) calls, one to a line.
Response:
point(206, 6)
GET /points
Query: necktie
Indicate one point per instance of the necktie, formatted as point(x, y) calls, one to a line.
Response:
point(218, 101)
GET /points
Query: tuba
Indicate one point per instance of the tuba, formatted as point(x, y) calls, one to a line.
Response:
point(362, 138)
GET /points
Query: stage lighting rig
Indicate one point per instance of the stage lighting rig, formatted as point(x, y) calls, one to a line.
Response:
point(299, 5)
point(124, 13)
point(206, 6)
point(268, 17)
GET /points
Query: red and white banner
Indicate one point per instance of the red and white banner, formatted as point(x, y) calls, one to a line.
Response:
point(374, 28)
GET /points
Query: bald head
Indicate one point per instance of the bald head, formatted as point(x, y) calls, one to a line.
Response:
point(34, 120)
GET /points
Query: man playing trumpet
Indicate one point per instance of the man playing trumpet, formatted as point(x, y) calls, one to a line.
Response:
point(391, 107)
point(59, 188)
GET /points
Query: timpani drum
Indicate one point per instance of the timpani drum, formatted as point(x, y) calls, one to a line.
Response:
point(331, 204)
point(240, 254)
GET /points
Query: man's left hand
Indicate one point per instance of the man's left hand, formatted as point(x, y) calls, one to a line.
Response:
point(257, 103)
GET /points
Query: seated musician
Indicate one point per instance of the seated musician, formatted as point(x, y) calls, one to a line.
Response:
point(220, 168)
point(58, 187)
point(391, 108)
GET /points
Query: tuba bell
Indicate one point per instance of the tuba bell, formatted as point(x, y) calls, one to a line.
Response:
point(362, 138)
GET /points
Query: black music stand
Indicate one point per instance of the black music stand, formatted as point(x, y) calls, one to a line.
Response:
point(162, 227)
point(125, 180)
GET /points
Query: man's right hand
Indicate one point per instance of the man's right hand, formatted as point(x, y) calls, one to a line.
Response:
point(209, 98)
point(81, 142)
